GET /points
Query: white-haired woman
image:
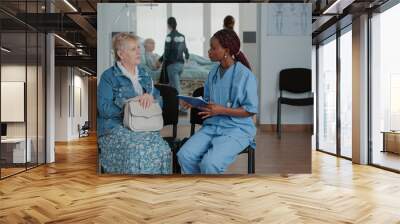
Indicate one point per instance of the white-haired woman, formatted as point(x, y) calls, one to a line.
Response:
point(122, 150)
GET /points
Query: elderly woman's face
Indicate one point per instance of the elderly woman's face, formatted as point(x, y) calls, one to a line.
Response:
point(130, 54)
point(149, 46)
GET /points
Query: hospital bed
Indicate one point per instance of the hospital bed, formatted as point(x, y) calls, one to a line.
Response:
point(194, 73)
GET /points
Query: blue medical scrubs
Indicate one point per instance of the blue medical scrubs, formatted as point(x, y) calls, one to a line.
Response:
point(215, 146)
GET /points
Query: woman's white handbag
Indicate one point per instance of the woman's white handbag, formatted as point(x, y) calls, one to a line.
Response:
point(137, 118)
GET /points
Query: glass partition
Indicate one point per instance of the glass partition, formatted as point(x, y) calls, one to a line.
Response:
point(22, 88)
point(385, 89)
point(15, 151)
point(346, 93)
point(327, 96)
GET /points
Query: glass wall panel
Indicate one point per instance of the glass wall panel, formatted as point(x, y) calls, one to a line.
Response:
point(14, 153)
point(385, 87)
point(31, 98)
point(190, 25)
point(346, 93)
point(155, 28)
point(327, 96)
point(22, 87)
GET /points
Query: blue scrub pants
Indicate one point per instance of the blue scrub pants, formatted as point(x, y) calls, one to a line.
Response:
point(174, 73)
point(210, 150)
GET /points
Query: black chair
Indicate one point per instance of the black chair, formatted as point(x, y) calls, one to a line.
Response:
point(294, 80)
point(84, 130)
point(196, 119)
point(100, 169)
point(170, 107)
point(170, 117)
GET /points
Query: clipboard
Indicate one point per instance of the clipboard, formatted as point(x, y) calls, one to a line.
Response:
point(194, 101)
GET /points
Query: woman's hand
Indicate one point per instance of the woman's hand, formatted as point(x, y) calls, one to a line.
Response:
point(146, 100)
point(185, 105)
point(212, 109)
point(157, 64)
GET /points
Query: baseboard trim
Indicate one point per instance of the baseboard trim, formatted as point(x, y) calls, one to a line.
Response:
point(287, 127)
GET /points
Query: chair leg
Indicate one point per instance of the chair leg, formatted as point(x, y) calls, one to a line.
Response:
point(174, 131)
point(278, 125)
point(251, 162)
point(176, 169)
point(174, 161)
point(192, 129)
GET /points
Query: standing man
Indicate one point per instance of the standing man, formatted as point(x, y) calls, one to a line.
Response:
point(175, 47)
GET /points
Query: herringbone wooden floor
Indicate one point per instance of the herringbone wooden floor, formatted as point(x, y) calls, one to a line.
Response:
point(70, 191)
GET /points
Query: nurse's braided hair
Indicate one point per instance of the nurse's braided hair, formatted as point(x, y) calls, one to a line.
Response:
point(229, 39)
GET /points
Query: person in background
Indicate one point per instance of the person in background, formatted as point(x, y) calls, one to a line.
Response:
point(175, 54)
point(124, 151)
point(149, 55)
point(229, 22)
point(228, 127)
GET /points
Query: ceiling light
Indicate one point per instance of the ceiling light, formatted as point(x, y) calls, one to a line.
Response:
point(5, 50)
point(70, 5)
point(84, 71)
point(65, 41)
point(332, 7)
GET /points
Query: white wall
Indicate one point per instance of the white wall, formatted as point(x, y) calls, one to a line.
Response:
point(111, 17)
point(248, 22)
point(280, 52)
point(67, 79)
point(61, 103)
point(80, 82)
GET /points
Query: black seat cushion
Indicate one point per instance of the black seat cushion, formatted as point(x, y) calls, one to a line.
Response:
point(297, 102)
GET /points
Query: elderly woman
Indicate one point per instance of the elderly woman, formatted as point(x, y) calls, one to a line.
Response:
point(149, 55)
point(124, 151)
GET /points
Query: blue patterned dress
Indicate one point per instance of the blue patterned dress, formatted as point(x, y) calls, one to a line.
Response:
point(122, 150)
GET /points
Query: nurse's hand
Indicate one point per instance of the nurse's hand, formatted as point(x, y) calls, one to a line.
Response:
point(185, 105)
point(211, 109)
point(146, 100)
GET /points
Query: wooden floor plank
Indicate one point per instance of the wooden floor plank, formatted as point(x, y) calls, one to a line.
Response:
point(70, 191)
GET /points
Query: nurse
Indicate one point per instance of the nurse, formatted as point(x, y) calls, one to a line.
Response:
point(228, 128)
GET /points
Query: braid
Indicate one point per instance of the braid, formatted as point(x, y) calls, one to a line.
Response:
point(229, 39)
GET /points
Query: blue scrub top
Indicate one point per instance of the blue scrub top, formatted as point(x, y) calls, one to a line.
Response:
point(243, 89)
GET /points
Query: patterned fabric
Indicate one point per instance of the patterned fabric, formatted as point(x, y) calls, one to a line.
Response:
point(127, 152)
